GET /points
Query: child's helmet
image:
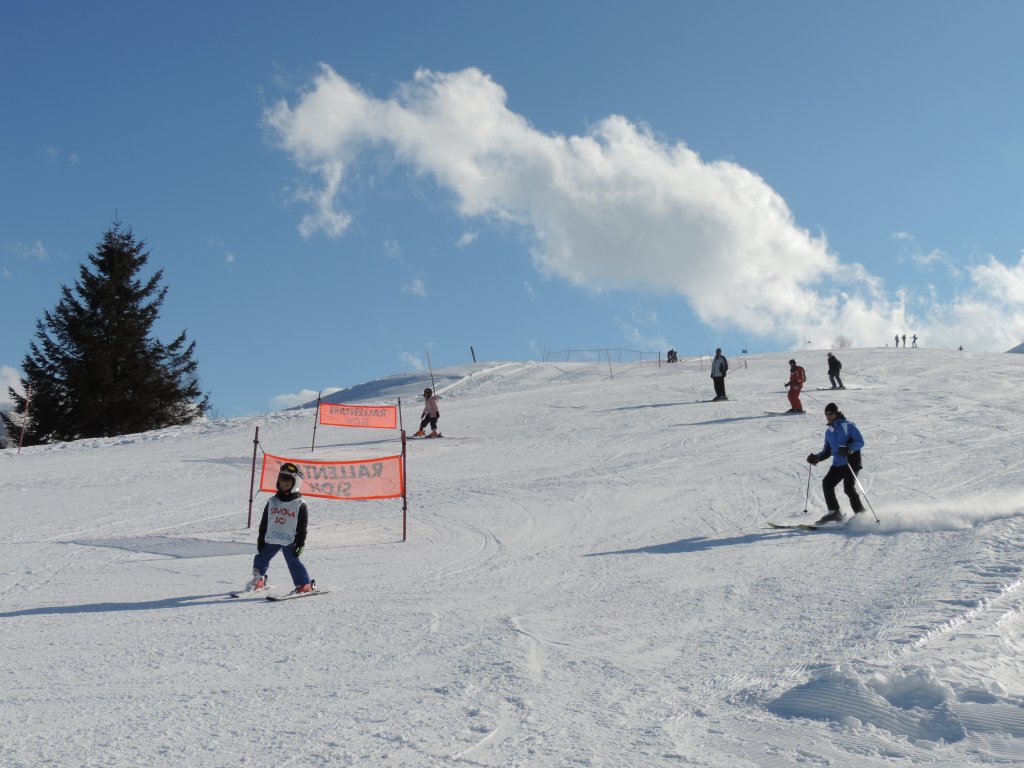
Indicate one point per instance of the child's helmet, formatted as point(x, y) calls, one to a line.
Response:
point(289, 470)
point(428, 392)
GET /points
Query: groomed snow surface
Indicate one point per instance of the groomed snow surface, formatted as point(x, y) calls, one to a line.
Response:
point(588, 580)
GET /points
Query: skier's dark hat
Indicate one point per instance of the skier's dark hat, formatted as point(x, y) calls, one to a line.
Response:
point(831, 408)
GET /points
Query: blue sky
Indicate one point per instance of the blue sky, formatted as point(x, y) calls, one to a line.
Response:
point(333, 189)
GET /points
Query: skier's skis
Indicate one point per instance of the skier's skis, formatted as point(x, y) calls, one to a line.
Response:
point(247, 592)
point(808, 526)
point(292, 595)
point(794, 526)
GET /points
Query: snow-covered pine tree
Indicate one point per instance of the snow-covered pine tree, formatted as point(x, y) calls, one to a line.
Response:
point(95, 369)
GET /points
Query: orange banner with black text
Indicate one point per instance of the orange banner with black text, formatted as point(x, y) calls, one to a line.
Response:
point(381, 478)
point(373, 416)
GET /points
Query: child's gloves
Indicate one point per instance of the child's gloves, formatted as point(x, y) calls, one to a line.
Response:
point(298, 550)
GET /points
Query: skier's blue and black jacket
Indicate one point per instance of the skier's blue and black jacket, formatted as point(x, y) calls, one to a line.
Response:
point(841, 439)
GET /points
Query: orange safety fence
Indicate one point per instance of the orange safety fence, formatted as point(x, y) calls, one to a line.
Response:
point(341, 415)
point(381, 478)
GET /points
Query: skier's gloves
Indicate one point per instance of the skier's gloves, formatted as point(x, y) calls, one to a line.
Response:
point(298, 550)
point(843, 451)
point(812, 458)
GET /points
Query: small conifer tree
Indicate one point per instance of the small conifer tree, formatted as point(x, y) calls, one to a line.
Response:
point(95, 370)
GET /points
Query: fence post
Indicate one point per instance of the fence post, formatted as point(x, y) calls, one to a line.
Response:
point(252, 478)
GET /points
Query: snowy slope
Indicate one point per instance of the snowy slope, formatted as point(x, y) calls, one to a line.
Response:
point(588, 580)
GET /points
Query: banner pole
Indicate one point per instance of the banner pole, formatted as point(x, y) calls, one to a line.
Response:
point(252, 478)
point(316, 419)
point(24, 420)
point(401, 423)
point(405, 500)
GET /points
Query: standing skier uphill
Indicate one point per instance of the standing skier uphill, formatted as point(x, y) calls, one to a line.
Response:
point(834, 367)
point(843, 442)
point(283, 529)
point(430, 414)
point(797, 377)
point(719, 367)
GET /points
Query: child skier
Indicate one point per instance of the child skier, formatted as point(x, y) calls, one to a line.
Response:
point(843, 442)
point(430, 414)
point(283, 529)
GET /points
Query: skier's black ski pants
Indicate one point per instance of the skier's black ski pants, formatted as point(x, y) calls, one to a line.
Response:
point(833, 477)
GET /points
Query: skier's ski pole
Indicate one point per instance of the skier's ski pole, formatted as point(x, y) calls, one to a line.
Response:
point(856, 481)
point(807, 498)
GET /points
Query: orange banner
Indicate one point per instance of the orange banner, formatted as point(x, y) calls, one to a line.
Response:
point(340, 415)
point(367, 479)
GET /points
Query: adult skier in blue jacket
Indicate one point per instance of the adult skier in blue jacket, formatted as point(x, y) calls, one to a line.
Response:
point(843, 442)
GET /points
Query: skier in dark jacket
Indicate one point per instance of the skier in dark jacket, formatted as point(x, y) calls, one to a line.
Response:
point(834, 367)
point(719, 368)
point(843, 443)
point(283, 529)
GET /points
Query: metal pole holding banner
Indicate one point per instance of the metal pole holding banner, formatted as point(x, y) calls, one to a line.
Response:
point(316, 420)
point(252, 479)
point(404, 489)
point(24, 419)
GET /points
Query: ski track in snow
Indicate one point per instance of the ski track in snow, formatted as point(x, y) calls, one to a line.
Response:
point(588, 580)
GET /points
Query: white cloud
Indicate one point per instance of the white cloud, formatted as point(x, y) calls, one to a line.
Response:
point(467, 239)
point(35, 250)
point(911, 250)
point(9, 377)
point(416, 287)
point(639, 328)
point(412, 361)
point(56, 154)
point(218, 245)
point(280, 402)
point(613, 208)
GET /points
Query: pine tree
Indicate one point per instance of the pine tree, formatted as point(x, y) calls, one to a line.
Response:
point(94, 368)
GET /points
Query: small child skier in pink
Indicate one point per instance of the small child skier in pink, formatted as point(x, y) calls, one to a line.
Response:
point(430, 414)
